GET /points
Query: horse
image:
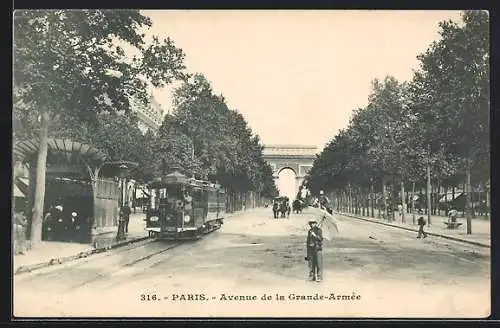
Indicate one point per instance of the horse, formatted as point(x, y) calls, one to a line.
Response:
point(285, 208)
point(298, 205)
point(276, 209)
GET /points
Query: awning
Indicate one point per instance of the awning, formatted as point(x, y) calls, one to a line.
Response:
point(21, 184)
point(139, 193)
point(449, 197)
point(17, 192)
point(24, 149)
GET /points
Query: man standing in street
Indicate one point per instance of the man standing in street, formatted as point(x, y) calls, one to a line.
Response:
point(314, 245)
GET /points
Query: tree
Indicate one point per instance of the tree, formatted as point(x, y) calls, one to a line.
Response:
point(68, 63)
point(224, 147)
point(453, 93)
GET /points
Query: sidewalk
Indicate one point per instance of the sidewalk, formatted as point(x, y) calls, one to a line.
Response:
point(480, 227)
point(50, 252)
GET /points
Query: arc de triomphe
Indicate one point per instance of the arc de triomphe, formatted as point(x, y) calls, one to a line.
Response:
point(298, 158)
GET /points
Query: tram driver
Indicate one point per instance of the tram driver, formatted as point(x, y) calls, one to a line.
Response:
point(188, 200)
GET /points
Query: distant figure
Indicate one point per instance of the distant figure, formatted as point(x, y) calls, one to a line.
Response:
point(55, 223)
point(314, 244)
point(126, 211)
point(304, 193)
point(453, 215)
point(421, 223)
point(276, 209)
point(297, 206)
point(20, 223)
point(324, 202)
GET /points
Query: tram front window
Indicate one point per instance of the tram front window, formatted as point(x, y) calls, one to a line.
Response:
point(174, 197)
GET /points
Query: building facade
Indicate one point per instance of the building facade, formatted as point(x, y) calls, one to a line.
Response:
point(150, 117)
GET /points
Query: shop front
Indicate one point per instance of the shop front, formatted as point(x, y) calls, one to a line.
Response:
point(82, 192)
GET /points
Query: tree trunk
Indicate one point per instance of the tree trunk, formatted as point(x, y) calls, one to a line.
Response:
point(134, 199)
point(385, 200)
point(446, 201)
point(432, 199)
point(41, 169)
point(413, 201)
point(487, 209)
point(403, 201)
point(30, 199)
point(438, 197)
point(473, 199)
point(372, 201)
point(468, 198)
point(349, 200)
point(429, 202)
point(363, 203)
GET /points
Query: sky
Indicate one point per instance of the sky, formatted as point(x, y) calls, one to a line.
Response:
point(296, 76)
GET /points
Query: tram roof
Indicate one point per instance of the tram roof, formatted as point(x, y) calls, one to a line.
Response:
point(179, 178)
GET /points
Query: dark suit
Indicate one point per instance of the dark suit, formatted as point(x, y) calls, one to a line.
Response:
point(314, 252)
point(126, 211)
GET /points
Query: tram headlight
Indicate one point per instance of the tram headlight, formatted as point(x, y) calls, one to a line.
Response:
point(169, 218)
point(187, 218)
point(153, 219)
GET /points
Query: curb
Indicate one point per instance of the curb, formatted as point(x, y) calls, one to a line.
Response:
point(33, 267)
point(415, 230)
point(61, 260)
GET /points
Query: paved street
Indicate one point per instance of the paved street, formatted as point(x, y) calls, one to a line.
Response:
point(394, 274)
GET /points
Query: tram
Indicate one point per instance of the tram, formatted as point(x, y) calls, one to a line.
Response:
point(184, 208)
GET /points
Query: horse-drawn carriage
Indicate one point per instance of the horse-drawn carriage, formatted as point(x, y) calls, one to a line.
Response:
point(298, 205)
point(281, 205)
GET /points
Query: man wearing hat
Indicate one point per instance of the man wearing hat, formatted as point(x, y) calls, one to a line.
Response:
point(324, 202)
point(314, 246)
point(421, 223)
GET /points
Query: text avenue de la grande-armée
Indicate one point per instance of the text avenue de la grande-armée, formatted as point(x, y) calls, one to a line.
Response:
point(246, 298)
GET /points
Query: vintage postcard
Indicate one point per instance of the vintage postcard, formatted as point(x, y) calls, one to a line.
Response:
point(225, 163)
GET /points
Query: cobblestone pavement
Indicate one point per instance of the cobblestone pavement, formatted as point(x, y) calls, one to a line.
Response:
point(378, 271)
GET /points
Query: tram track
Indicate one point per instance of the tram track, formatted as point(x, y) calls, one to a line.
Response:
point(118, 280)
point(94, 258)
point(106, 274)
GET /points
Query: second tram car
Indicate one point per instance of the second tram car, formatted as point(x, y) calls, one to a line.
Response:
point(184, 208)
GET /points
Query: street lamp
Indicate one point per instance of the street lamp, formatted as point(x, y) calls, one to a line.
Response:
point(122, 174)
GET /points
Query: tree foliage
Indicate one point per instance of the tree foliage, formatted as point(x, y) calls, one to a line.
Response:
point(212, 141)
point(440, 117)
point(69, 67)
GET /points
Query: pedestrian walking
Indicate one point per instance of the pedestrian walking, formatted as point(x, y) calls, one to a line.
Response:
point(421, 223)
point(75, 233)
point(314, 244)
point(126, 211)
point(20, 223)
point(59, 226)
point(121, 225)
point(453, 215)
